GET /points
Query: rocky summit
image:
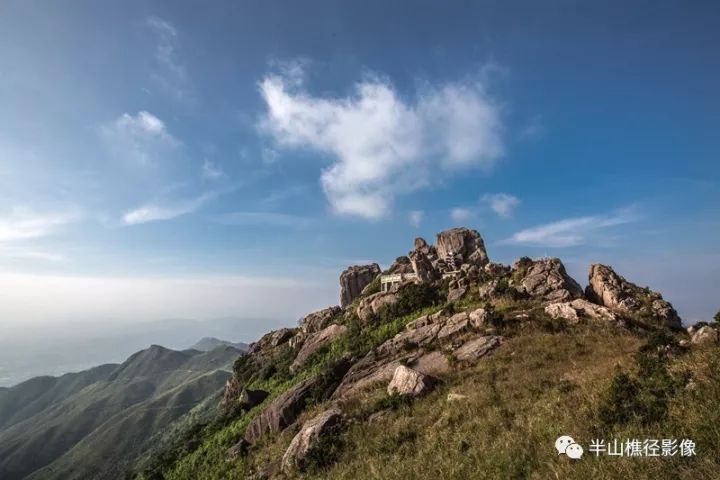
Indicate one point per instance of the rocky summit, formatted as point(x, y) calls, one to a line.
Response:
point(446, 347)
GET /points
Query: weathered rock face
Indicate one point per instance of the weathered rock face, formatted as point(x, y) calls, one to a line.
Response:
point(316, 321)
point(400, 265)
point(475, 349)
point(271, 340)
point(580, 308)
point(309, 437)
point(237, 450)
point(706, 335)
point(423, 261)
point(233, 389)
point(354, 279)
point(282, 411)
point(466, 244)
point(407, 381)
point(416, 347)
point(251, 398)
point(369, 306)
point(314, 342)
point(545, 279)
point(609, 289)
point(497, 269)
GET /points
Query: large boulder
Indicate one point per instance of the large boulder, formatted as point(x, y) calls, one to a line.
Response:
point(309, 437)
point(580, 308)
point(316, 321)
point(466, 245)
point(545, 279)
point(423, 261)
point(400, 265)
point(706, 335)
point(409, 382)
point(609, 289)
point(371, 305)
point(282, 411)
point(315, 342)
point(270, 341)
point(354, 279)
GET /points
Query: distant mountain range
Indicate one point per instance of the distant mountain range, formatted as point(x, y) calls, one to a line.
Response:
point(54, 351)
point(95, 423)
point(211, 343)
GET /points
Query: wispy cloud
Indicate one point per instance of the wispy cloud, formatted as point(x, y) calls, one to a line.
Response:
point(139, 138)
point(381, 144)
point(283, 194)
point(571, 232)
point(156, 212)
point(23, 224)
point(501, 203)
point(533, 130)
point(262, 218)
point(171, 73)
point(32, 254)
point(415, 218)
point(459, 214)
point(211, 171)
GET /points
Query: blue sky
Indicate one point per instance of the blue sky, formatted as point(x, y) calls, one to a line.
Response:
point(188, 159)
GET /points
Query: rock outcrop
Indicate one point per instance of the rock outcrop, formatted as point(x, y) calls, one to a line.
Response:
point(580, 308)
point(417, 347)
point(400, 265)
point(424, 261)
point(309, 437)
point(706, 335)
point(316, 321)
point(545, 279)
point(270, 341)
point(282, 411)
point(354, 280)
point(371, 305)
point(314, 342)
point(609, 289)
point(466, 245)
point(409, 382)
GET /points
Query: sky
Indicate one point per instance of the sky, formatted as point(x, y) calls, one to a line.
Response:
point(184, 159)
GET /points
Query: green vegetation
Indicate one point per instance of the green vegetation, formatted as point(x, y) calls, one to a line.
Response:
point(98, 423)
point(550, 378)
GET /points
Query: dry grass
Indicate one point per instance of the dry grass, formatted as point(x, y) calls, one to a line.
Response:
point(537, 387)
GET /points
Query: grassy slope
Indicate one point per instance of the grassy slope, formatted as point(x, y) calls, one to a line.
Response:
point(537, 386)
point(172, 382)
point(35, 395)
point(108, 451)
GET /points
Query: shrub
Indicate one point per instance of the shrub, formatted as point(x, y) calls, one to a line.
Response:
point(717, 317)
point(372, 287)
point(645, 397)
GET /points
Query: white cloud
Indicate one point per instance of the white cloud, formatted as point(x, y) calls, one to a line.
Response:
point(23, 224)
point(415, 218)
point(570, 232)
point(154, 212)
point(139, 138)
point(381, 144)
point(210, 171)
point(501, 203)
point(459, 215)
point(171, 74)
